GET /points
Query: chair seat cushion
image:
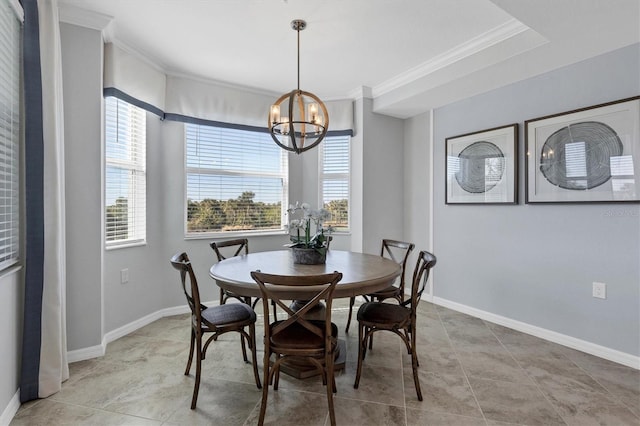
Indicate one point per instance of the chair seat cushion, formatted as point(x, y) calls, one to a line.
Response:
point(383, 313)
point(229, 313)
point(297, 336)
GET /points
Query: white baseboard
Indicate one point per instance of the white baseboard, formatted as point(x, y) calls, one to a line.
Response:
point(582, 345)
point(10, 410)
point(562, 339)
point(99, 350)
point(86, 353)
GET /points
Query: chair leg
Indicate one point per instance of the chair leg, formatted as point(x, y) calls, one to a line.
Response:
point(191, 346)
point(244, 350)
point(254, 357)
point(196, 385)
point(223, 300)
point(414, 362)
point(362, 346)
point(265, 388)
point(276, 374)
point(367, 336)
point(416, 379)
point(411, 338)
point(330, 387)
point(352, 300)
point(275, 311)
point(333, 382)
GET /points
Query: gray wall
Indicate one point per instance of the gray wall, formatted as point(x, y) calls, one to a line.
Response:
point(11, 302)
point(143, 294)
point(536, 263)
point(82, 80)
point(417, 185)
point(382, 178)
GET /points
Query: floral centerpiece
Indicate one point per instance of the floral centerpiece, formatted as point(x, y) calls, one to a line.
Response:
point(307, 233)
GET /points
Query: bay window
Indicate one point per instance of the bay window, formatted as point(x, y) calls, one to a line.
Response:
point(335, 158)
point(236, 181)
point(125, 173)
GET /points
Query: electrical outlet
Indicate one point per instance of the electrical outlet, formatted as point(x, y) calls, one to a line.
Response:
point(124, 276)
point(600, 290)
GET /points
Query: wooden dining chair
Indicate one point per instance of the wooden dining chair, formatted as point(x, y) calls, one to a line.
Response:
point(398, 251)
point(297, 337)
point(399, 319)
point(229, 248)
point(216, 320)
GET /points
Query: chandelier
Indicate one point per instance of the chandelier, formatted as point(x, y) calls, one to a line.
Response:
point(298, 120)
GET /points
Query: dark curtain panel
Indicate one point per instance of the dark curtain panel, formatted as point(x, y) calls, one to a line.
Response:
point(34, 204)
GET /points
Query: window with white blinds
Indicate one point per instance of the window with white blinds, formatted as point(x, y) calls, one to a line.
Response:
point(10, 71)
point(335, 159)
point(125, 173)
point(237, 181)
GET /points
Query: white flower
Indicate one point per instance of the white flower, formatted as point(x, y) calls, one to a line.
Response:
point(292, 209)
point(308, 224)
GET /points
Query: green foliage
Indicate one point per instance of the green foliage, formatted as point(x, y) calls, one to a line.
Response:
point(239, 214)
point(210, 215)
point(117, 220)
point(339, 210)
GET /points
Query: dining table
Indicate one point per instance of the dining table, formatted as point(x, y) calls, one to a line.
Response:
point(362, 273)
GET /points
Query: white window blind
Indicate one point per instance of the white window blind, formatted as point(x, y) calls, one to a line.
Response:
point(10, 59)
point(125, 173)
point(237, 181)
point(335, 159)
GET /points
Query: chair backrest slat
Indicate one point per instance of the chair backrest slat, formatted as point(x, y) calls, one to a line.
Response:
point(182, 263)
point(425, 262)
point(321, 287)
point(240, 245)
point(398, 251)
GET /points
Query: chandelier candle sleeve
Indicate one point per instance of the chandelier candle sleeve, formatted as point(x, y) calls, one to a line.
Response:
point(275, 114)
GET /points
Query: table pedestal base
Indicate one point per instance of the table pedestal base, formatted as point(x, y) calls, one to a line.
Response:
point(301, 370)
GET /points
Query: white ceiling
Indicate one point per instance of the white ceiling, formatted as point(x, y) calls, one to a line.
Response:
point(408, 55)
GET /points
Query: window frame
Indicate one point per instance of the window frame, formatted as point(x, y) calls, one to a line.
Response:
point(284, 174)
point(335, 176)
point(11, 252)
point(138, 165)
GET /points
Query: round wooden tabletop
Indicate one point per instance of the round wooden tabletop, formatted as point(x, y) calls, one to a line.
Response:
point(361, 273)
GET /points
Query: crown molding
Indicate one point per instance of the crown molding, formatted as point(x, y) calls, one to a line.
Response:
point(83, 18)
point(134, 52)
point(222, 83)
point(362, 92)
point(496, 35)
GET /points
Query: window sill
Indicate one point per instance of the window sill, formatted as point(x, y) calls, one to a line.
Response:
point(10, 270)
point(126, 245)
point(238, 234)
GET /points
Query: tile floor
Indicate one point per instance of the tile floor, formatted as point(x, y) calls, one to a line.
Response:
point(472, 373)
